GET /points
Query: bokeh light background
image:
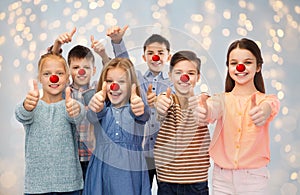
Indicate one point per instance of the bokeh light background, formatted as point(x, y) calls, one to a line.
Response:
point(28, 27)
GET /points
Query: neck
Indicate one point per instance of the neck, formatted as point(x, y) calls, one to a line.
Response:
point(244, 90)
point(52, 99)
point(183, 100)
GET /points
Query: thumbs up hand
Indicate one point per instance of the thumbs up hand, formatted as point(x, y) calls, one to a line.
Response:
point(200, 109)
point(116, 33)
point(32, 97)
point(151, 97)
point(136, 102)
point(259, 113)
point(72, 106)
point(97, 102)
point(66, 37)
point(164, 102)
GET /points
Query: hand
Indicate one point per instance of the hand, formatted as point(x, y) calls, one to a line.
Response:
point(97, 102)
point(32, 97)
point(164, 102)
point(116, 33)
point(259, 113)
point(66, 37)
point(136, 102)
point(151, 97)
point(200, 109)
point(72, 106)
point(98, 46)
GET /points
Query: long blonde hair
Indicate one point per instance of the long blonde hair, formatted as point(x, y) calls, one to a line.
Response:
point(52, 56)
point(127, 66)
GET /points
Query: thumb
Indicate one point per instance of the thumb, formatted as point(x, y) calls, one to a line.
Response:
point(68, 94)
point(204, 98)
point(192, 92)
point(133, 90)
point(104, 89)
point(149, 91)
point(168, 92)
point(253, 100)
point(125, 28)
point(92, 41)
point(73, 32)
point(35, 87)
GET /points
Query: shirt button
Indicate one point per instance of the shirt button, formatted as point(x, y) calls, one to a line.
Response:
point(117, 133)
point(117, 122)
point(152, 125)
point(151, 138)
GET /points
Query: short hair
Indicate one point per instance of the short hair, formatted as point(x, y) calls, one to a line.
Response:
point(80, 52)
point(185, 55)
point(156, 38)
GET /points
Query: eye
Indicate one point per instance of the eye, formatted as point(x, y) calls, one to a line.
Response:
point(46, 74)
point(122, 81)
point(108, 81)
point(87, 67)
point(233, 63)
point(61, 73)
point(192, 73)
point(248, 62)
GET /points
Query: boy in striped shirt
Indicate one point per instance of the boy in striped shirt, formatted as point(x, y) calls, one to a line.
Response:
point(181, 148)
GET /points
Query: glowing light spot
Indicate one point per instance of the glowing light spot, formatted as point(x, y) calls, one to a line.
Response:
point(242, 4)
point(16, 63)
point(197, 17)
point(280, 33)
point(93, 5)
point(277, 47)
point(195, 29)
point(284, 110)
point(280, 95)
point(77, 4)
point(44, 8)
point(30, 67)
point(287, 148)
point(156, 15)
point(227, 14)
point(294, 176)
point(226, 32)
point(277, 138)
point(115, 5)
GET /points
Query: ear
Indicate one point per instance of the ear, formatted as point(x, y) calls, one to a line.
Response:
point(258, 68)
point(144, 57)
point(198, 77)
point(169, 57)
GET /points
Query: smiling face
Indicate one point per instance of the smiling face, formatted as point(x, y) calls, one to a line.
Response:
point(51, 88)
point(189, 68)
point(242, 78)
point(82, 70)
point(120, 96)
point(159, 49)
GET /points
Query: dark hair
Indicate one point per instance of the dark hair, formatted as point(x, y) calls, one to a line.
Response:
point(155, 38)
point(254, 49)
point(185, 55)
point(80, 52)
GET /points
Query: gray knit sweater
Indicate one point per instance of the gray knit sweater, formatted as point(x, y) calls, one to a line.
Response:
point(51, 155)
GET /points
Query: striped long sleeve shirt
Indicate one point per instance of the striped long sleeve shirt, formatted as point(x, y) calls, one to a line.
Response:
point(181, 148)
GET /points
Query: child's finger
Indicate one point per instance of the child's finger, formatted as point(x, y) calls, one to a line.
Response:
point(35, 86)
point(73, 32)
point(168, 92)
point(68, 94)
point(253, 100)
point(133, 90)
point(192, 92)
point(203, 101)
point(104, 89)
point(149, 91)
point(125, 28)
point(92, 41)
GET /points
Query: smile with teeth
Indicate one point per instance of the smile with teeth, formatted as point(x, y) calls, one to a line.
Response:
point(54, 86)
point(115, 94)
point(241, 74)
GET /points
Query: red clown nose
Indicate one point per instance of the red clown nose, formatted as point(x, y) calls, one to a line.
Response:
point(54, 78)
point(155, 58)
point(81, 72)
point(114, 87)
point(240, 67)
point(184, 78)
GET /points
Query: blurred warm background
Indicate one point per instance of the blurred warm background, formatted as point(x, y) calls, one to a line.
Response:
point(28, 27)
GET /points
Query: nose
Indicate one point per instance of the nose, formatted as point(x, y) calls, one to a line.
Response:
point(81, 72)
point(114, 87)
point(240, 67)
point(54, 78)
point(155, 58)
point(184, 78)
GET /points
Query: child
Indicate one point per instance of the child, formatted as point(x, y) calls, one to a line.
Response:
point(82, 66)
point(117, 165)
point(51, 155)
point(154, 81)
point(240, 145)
point(181, 148)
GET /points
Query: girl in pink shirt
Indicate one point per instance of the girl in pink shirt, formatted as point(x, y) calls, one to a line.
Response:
point(240, 144)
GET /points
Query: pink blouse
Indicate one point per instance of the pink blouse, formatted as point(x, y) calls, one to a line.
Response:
point(237, 143)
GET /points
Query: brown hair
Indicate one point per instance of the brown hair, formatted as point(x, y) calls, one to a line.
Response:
point(126, 65)
point(254, 49)
point(185, 55)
